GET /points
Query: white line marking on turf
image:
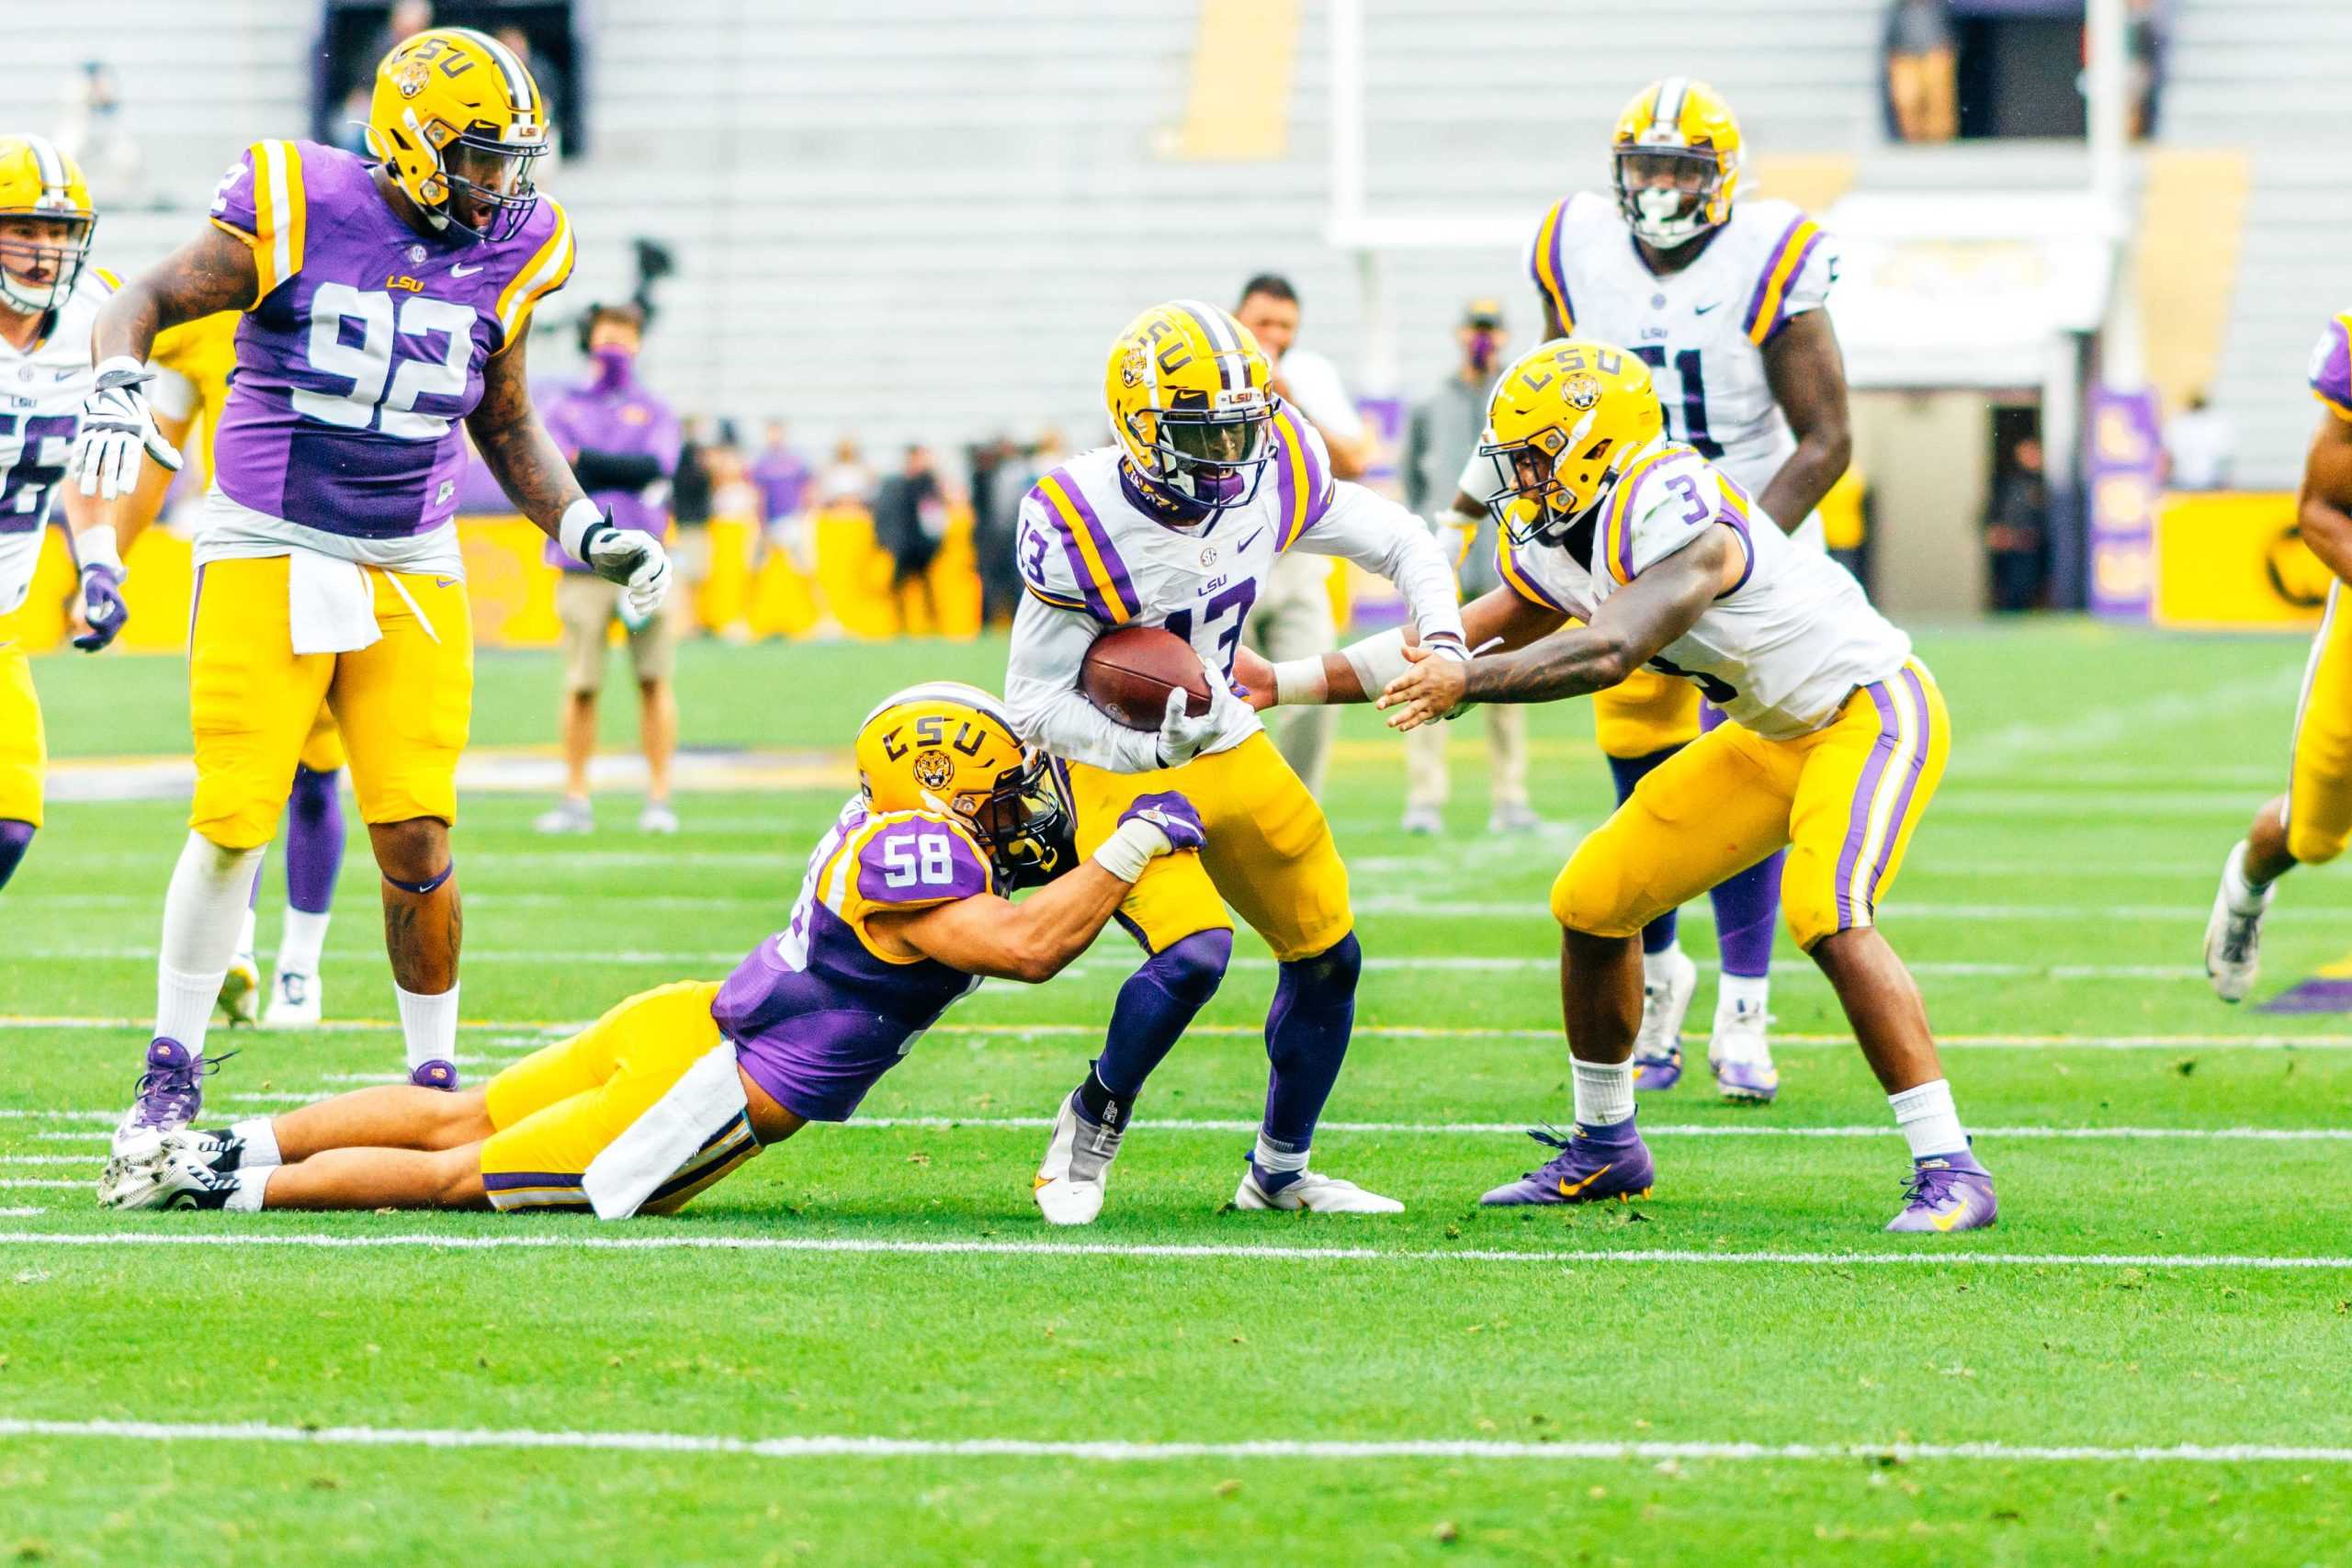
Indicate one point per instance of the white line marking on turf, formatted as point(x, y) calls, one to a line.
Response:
point(22, 1213)
point(1179, 1250)
point(1113, 1451)
point(83, 1183)
point(535, 1032)
point(1744, 1129)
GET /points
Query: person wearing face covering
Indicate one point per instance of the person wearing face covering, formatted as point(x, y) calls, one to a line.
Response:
point(1441, 433)
point(623, 443)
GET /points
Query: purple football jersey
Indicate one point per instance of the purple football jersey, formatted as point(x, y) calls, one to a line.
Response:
point(626, 421)
point(367, 347)
point(815, 1014)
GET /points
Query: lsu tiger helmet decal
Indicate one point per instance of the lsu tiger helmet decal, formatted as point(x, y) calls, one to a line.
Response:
point(1187, 390)
point(46, 224)
point(459, 121)
point(1677, 152)
point(949, 749)
point(1561, 425)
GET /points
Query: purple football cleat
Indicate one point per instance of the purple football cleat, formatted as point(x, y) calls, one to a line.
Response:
point(170, 1094)
point(1750, 1083)
point(434, 1074)
point(1593, 1165)
point(1946, 1192)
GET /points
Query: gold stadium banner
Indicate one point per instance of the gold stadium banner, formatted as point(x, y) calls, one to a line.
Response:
point(2234, 558)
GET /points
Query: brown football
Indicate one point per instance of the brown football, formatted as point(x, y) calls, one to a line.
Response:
point(1129, 673)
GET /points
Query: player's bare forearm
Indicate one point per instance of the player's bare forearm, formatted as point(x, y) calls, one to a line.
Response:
point(1627, 631)
point(1807, 373)
point(2323, 509)
point(1032, 940)
point(523, 457)
point(211, 273)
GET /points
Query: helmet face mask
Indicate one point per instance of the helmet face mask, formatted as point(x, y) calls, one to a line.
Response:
point(1665, 193)
point(489, 181)
point(1027, 822)
point(1213, 459)
point(458, 123)
point(1189, 395)
point(1677, 152)
point(41, 257)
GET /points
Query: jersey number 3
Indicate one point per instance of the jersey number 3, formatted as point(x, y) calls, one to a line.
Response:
point(378, 391)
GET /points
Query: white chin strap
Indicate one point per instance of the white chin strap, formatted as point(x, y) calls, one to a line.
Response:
point(1659, 217)
point(29, 298)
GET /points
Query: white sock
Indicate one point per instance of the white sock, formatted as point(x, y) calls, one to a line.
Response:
point(1735, 993)
point(245, 929)
point(203, 910)
point(1273, 1160)
point(1659, 968)
point(429, 1026)
point(1928, 1121)
point(260, 1135)
point(1604, 1092)
point(251, 1185)
point(300, 941)
point(2245, 898)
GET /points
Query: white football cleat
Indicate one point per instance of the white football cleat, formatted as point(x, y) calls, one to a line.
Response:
point(1316, 1193)
point(1422, 822)
point(239, 999)
point(1069, 1184)
point(2233, 937)
point(657, 817)
point(1740, 1054)
point(296, 1000)
point(164, 1172)
point(1657, 1048)
point(570, 816)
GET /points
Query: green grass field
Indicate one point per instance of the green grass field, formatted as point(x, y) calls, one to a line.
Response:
point(851, 1351)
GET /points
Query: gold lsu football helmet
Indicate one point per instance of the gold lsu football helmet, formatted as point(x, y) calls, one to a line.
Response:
point(1677, 152)
point(1561, 423)
point(459, 122)
point(1187, 390)
point(46, 224)
point(949, 750)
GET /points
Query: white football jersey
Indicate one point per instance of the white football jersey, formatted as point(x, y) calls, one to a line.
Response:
point(1703, 329)
point(42, 392)
point(1779, 652)
point(1093, 556)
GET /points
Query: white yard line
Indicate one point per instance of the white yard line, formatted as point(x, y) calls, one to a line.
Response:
point(591, 1241)
point(53, 1183)
point(21, 1213)
point(1742, 1129)
point(1116, 1451)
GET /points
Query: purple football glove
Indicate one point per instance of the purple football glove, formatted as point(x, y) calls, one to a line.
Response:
point(102, 606)
point(1174, 815)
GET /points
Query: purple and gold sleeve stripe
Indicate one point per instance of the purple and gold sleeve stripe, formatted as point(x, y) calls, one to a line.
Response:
point(281, 214)
point(1768, 307)
point(1550, 266)
point(1522, 581)
point(1616, 546)
point(545, 273)
point(512, 1192)
point(1102, 576)
point(1301, 479)
point(1734, 514)
point(2331, 373)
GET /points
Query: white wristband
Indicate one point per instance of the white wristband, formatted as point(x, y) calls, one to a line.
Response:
point(118, 364)
point(578, 518)
point(96, 546)
point(1300, 683)
point(1377, 661)
point(1126, 852)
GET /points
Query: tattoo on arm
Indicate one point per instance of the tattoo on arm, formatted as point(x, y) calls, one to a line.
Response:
point(211, 273)
point(1627, 630)
point(511, 440)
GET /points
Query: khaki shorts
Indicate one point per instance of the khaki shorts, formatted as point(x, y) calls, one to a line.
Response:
point(587, 604)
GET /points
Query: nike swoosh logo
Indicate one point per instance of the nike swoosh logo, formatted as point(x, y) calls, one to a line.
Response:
point(1248, 542)
point(458, 270)
point(1038, 1181)
point(444, 583)
point(1961, 1211)
point(1568, 1191)
point(1695, 309)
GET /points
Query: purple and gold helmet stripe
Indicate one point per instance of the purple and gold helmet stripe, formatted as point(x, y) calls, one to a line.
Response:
point(1764, 317)
point(1110, 593)
point(2331, 372)
point(1301, 480)
point(1617, 536)
point(1522, 581)
point(1672, 94)
point(1208, 318)
point(522, 91)
point(1550, 266)
point(1883, 797)
point(49, 165)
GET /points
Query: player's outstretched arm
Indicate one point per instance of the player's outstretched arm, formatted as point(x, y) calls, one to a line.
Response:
point(515, 442)
point(211, 273)
point(1806, 371)
point(1626, 632)
point(1499, 619)
point(1034, 940)
point(2323, 509)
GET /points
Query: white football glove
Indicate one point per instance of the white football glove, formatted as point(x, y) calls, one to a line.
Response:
point(117, 427)
point(1183, 736)
point(636, 562)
